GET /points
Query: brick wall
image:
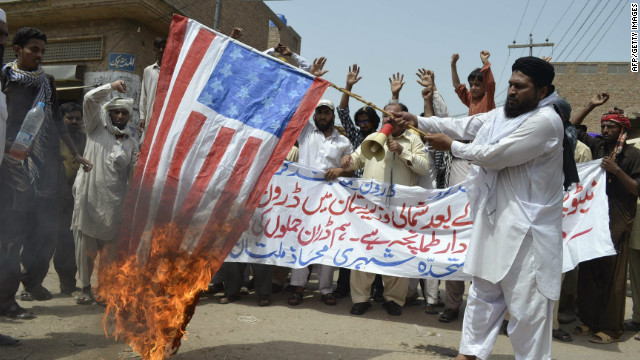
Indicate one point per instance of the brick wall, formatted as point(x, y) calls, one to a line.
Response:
point(578, 85)
point(120, 36)
point(131, 26)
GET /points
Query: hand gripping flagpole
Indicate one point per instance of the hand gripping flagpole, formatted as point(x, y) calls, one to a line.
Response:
point(359, 98)
point(373, 148)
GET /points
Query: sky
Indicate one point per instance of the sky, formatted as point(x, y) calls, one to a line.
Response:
point(385, 37)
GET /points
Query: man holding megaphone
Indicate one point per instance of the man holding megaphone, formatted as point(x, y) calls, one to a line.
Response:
point(394, 156)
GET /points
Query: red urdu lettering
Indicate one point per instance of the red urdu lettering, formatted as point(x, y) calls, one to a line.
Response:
point(458, 221)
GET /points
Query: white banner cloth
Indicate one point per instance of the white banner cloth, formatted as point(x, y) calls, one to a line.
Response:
point(396, 230)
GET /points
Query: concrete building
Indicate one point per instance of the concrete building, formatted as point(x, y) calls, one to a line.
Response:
point(89, 39)
point(578, 82)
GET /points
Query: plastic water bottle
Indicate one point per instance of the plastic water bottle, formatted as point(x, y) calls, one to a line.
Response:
point(28, 131)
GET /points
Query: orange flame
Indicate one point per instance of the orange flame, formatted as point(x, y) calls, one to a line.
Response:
point(149, 305)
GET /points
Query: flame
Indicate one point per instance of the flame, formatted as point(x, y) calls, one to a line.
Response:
point(149, 305)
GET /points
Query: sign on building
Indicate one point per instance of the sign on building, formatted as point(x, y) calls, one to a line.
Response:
point(122, 62)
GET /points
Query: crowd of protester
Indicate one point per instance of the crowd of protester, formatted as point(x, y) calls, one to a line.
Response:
point(65, 201)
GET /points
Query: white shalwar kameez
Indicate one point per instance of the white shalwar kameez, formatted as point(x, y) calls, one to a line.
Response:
point(99, 194)
point(515, 253)
point(323, 153)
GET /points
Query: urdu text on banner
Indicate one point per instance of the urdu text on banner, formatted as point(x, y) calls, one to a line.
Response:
point(396, 230)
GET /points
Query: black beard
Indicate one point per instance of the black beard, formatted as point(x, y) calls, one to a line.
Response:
point(324, 128)
point(511, 112)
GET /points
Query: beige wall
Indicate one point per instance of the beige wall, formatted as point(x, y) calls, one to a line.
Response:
point(578, 89)
point(129, 26)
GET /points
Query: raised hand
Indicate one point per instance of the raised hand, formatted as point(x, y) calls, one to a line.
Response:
point(352, 76)
point(283, 49)
point(236, 33)
point(484, 56)
point(396, 81)
point(599, 99)
point(318, 65)
point(547, 58)
point(454, 58)
point(426, 77)
point(119, 86)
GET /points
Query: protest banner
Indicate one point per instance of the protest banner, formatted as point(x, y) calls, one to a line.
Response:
point(396, 230)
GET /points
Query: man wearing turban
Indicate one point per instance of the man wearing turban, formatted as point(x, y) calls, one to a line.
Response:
point(99, 195)
point(515, 191)
point(602, 281)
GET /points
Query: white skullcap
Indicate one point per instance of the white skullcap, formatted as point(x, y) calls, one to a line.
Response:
point(3, 16)
point(119, 103)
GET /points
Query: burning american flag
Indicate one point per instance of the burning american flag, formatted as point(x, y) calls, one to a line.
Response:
point(224, 118)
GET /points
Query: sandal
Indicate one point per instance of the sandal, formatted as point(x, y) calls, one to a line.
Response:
point(329, 299)
point(225, 299)
point(264, 300)
point(26, 296)
point(562, 335)
point(583, 330)
point(431, 309)
point(295, 298)
point(84, 299)
point(601, 338)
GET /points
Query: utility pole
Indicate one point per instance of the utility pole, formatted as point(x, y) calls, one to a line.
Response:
point(216, 19)
point(531, 45)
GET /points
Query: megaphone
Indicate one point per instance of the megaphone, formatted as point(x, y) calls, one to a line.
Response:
point(374, 147)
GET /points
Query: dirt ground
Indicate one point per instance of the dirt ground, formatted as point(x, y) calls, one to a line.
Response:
point(243, 330)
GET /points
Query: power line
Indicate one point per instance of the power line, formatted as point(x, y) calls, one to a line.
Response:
point(504, 67)
point(560, 20)
point(580, 28)
point(623, 2)
point(538, 18)
point(609, 28)
point(522, 18)
point(574, 21)
point(591, 23)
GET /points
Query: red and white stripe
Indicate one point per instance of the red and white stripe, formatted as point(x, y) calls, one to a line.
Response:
point(197, 168)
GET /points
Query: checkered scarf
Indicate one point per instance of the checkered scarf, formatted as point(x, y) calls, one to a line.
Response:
point(39, 80)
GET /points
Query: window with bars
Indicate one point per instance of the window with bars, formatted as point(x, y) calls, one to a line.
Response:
point(587, 69)
point(560, 69)
point(68, 50)
point(617, 68)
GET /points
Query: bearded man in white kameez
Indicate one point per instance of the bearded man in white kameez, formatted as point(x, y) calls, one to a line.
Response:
point(99, 195)
point(515, 191)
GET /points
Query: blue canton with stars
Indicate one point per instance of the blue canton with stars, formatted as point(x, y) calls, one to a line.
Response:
point(254, 89)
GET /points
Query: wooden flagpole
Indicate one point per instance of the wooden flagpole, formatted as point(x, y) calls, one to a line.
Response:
point(359, 98)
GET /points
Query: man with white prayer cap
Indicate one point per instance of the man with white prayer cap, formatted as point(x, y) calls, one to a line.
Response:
point(515, 191)
point(99, 195)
